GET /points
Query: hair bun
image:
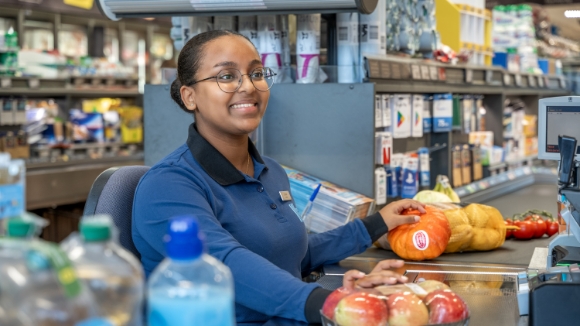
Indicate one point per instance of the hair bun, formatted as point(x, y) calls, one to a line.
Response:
point(176, 94)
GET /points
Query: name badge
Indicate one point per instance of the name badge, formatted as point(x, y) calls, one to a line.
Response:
point(285, 195)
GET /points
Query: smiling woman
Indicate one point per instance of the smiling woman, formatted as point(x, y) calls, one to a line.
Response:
point(219, 177)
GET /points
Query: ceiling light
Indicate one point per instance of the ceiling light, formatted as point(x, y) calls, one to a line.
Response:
point(116, 9)
point(572, 13)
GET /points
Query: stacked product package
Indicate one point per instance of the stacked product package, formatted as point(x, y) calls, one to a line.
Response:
point(411, 26)
point(333, 206)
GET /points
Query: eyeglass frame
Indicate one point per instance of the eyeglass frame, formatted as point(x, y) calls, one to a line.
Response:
point(241, 80)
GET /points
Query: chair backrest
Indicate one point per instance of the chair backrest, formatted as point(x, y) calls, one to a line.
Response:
point(112, 193)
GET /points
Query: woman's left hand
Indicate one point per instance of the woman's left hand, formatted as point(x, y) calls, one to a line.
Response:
point(380, 275)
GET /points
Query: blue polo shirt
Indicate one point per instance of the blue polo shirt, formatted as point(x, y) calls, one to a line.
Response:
point(247, 226)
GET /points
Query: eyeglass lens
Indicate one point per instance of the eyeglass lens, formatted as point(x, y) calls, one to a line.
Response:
point(230, 80)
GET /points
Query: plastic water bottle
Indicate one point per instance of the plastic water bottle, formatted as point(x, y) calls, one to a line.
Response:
point(113, 274)
point(189, 287)
point(38, 286)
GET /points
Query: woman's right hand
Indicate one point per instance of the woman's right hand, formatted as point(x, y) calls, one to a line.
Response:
point(380, 275)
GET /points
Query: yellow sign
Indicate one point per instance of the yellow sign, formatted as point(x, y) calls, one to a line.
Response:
point(85, 4)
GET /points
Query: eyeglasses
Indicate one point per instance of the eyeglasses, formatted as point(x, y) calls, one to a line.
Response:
point(229, 80)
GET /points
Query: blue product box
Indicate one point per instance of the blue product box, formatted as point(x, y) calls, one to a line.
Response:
point(442, 112)
point(87, 127)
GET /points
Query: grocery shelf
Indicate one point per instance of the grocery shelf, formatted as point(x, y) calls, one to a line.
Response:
point(69, 92)
point(404, 75)
point(85, 86)
point(50, 184)
point(403, 86)
point(505, 183)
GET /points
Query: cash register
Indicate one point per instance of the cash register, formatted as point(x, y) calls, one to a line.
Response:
point(550, 296)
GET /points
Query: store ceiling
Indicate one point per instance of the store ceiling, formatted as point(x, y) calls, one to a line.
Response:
point(569, 27)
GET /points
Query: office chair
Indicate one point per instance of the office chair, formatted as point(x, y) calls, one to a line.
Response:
point(112, 193)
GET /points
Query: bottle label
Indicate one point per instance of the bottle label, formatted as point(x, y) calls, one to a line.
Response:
point(62, 266)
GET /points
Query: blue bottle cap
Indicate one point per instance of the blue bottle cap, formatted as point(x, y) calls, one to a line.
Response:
point(183, 240)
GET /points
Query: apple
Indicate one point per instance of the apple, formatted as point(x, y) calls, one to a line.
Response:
point(445, 306)
point(364, 308)
point(332, 300)
point(432, 285)
point(405, 308)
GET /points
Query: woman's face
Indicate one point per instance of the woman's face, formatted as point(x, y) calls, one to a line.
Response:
point(237, 113)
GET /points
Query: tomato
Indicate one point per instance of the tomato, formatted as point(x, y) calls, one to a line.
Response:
point(541, 228)
point(552, 227)
point(534, 227)
point(509, 233)
point(526, 231)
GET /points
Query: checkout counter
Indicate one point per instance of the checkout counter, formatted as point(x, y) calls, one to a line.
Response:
point(530, 282)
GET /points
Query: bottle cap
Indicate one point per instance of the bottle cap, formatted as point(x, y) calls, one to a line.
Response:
point(95, 230)
point(183, 240)
point(19, 228)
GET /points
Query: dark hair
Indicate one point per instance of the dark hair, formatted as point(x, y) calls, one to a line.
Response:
point(190, 59)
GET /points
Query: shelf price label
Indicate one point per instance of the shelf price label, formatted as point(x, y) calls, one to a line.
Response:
point(507, 79)
point(415, 72)
point(33, 82)
point(442, 74)
point(541, 82)
point(532, 81)
point(518, 80)
point(425, 72)
point(562, 82)
point(433, 73)
point(468, 76)
point(385, 68)
point(5, 82)
point(489, 76)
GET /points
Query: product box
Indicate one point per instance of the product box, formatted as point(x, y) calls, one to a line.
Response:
point(530, 125)
point(424, 167)
point(20, 112)
point(7, 106)
point(380, 186)
point(131, 124)
point(457, 166)
point(86, 127)
point(476, 162)
point(401, 115)
point(442, 112)
point(467, 105)
point(386, 107)
point(410, 182)
point(417, 114)
point(482, 138)
point(427, 119)
point(384, 148)
point(378, 111)
point(466, 164)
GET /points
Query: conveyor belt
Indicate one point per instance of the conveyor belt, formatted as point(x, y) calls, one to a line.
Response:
point(536, 196)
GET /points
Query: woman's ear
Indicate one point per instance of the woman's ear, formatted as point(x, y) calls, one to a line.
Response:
point(188, 97)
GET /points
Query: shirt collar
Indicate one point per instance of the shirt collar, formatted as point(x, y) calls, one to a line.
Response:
point(213, 162)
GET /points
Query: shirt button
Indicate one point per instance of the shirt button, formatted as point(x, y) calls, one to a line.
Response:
point(273, 206)
point(260, 188)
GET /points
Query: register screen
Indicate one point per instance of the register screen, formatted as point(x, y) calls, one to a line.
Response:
point(561, 120)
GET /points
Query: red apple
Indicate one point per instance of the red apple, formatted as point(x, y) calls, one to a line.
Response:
point(432, 285)
point(405, 308)
point(332, 300)
point(364, 308)
point(445, 306)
